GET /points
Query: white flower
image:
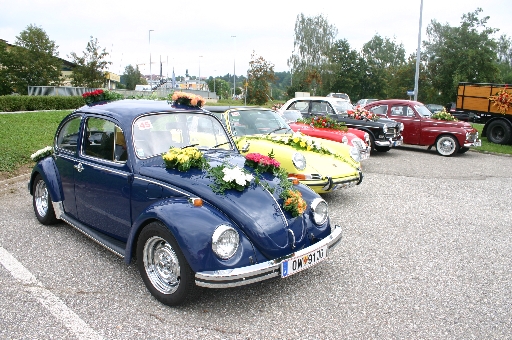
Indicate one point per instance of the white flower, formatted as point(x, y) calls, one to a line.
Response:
point(236, 174)
point(41, 153)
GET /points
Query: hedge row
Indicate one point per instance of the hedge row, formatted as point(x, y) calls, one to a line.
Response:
point(37, 103)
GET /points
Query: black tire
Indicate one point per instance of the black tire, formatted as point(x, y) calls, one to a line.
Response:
point(42, 202)
point(447, 145)
point(463, 150)
point(382, 148)
point(499, 132)
point(163, 267)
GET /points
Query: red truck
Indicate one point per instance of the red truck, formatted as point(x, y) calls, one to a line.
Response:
point(489, 104)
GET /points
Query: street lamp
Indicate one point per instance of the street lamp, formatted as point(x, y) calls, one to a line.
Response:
point(417, 74)
point(214, 76)
point(199, 81)
point(150, 74)
point(234, 63)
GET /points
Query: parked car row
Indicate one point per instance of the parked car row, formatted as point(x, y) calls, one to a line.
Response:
point(218, 197)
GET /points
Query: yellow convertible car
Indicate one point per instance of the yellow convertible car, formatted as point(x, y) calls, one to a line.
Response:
point(321, 164)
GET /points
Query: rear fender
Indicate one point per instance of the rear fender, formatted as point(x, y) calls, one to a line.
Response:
point(48, 171)
point(192, 228)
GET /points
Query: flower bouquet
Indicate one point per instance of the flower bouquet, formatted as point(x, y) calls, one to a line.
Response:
point(362, 114)
point(42, 153)
point(262, 163)
point(293, 202)
point(184, 159)
point(226, 177)
point(100, 95)
point(443, 115)
point(502, 100)
point(324, 122)
point(189, 99)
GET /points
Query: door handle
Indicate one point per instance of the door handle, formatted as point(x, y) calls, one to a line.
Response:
point(79, 167)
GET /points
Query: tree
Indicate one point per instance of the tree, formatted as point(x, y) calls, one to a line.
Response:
point(505, 59)
point(312, 46)
point(91, 67)
point(457, 54)
point(132, 77)
point(344, 72)
point(220, 86)
point(382, 57)
point(33, 61)
point(260, 74)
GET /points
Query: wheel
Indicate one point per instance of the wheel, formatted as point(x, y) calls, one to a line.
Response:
point(42, 202)
point(447, 145)
point(463, 150)
point(499, 132)
point(382, 148)
point(163, 267)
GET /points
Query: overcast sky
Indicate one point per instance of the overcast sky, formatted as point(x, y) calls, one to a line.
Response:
point(218, 37)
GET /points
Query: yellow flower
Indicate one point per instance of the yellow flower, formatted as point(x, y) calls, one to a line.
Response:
point(296, 140)
point(183, 158)
point(303, 144)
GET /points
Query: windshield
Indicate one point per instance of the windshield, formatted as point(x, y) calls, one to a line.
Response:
point(291, 116)
point(422, 110)
point(253, 122)
point(155, 134)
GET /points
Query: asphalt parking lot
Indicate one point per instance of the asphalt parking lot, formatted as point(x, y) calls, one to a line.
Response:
point(426, 254)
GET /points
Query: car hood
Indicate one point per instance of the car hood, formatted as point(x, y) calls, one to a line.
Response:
point(255, 210)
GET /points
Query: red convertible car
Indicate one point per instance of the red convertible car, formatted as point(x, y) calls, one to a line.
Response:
point(448, 136)
point(351, 137)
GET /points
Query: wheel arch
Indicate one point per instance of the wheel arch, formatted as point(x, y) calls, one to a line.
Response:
point(48, 171)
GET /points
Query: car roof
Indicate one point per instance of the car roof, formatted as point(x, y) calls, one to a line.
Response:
point(225, 108)
point(395, 101)
point(127, 109)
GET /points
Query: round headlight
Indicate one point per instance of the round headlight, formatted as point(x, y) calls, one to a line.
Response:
point(299, 161)
point(225, 241)
point(385, 128)
point(344, 140)
point(401, 127)
point(320, 211)
point(354, 153)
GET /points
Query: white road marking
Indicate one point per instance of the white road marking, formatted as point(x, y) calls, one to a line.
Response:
point(49, 301)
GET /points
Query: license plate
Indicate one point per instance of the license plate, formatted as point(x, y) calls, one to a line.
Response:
point(344, 185)
point(478, 143)
point(299, 263)
point(365, 156)
point(397, 143)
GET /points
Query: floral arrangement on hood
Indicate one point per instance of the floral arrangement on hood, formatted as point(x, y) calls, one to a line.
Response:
point(100, 95)
point(189, 99)
point(184, 159)
point(362, 114)
point(324, 122)
point(502, 100)
point(229, 177)
point(443, 115)
point(42, 153)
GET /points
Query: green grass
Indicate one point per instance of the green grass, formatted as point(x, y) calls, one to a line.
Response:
point(22, 134)
point(488, 146)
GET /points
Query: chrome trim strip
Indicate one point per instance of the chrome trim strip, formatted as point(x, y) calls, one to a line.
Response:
point(261, 271)
point(162, 184)
point(58, 208)
point(89, 235)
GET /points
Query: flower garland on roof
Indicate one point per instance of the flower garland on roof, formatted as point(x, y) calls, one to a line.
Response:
point(443, 115)
point(362, 114)
point(324, 122)
point(502, 100)
point(189, 99)
point(100, 95)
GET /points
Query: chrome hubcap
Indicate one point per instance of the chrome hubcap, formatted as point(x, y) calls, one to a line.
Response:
point(41, 198)
point(162, 265)
point(446, 146)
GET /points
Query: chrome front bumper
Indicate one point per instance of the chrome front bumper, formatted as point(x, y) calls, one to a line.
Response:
point(262, 271)
point(478, 142)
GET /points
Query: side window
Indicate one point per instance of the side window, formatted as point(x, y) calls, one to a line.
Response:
point(399, 111)
point(68, 135)
point(380, 110)
point(104, 140)
point(322, 108)
point(410, 112)
point(302, 106)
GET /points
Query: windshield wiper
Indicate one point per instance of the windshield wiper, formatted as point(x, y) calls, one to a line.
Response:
point(189, 146)
point(216, 146)
point(278, 129)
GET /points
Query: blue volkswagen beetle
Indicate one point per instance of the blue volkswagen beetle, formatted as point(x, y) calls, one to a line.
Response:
point(185, 227)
